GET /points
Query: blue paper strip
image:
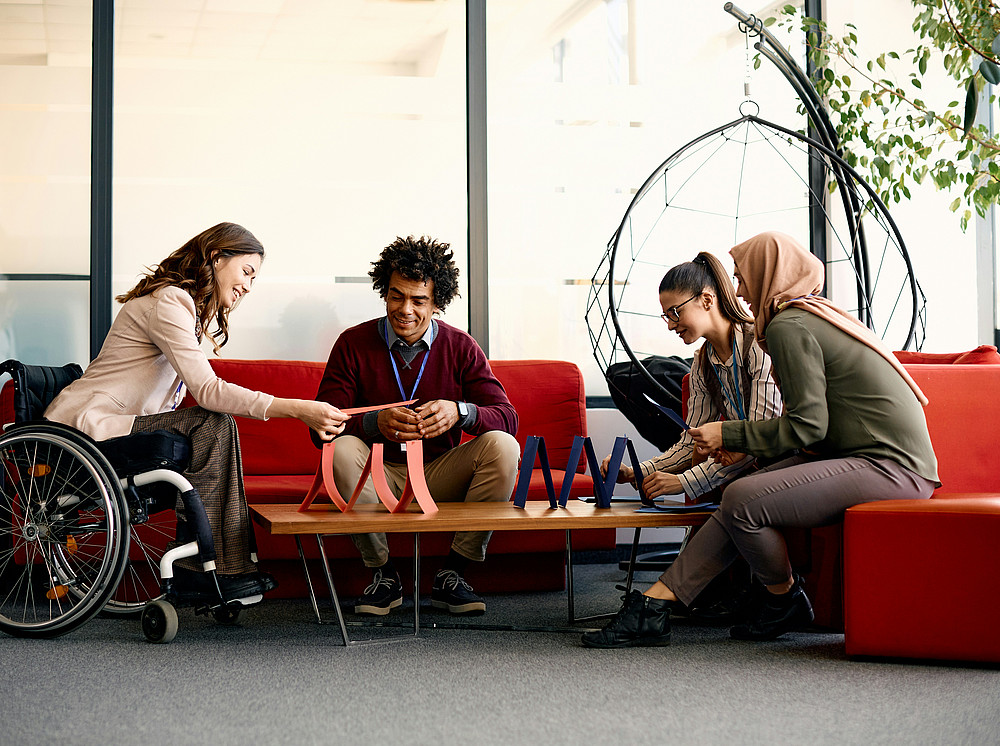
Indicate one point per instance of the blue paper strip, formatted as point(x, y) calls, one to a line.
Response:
point(674, 417)
point(533, 445)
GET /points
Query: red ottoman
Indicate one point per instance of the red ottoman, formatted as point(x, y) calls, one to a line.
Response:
point(922, 578)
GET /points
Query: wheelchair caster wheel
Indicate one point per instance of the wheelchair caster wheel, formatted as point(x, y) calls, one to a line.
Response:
point(228, 615)
point(159, 621)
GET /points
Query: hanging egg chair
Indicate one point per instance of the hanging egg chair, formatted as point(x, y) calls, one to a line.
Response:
point(730, 184)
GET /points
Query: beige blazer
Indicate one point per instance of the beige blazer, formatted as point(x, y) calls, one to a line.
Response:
point(150, 354)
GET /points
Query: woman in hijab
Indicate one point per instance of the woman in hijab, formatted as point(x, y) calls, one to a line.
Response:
point(853, 416)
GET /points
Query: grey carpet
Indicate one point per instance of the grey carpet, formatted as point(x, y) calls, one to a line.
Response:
point(279, 678)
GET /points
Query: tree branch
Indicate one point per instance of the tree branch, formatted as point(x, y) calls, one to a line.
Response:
point(962, 38)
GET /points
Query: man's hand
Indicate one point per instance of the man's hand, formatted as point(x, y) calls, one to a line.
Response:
point(436, 417)
point(399, 424)
point(625, 473)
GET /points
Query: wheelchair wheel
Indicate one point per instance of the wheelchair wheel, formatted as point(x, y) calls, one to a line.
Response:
point(64, 532)
point(159, 621)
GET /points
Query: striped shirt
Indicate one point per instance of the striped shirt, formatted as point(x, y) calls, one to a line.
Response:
point(761, 402)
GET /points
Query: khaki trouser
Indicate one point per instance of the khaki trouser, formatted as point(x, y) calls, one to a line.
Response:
point(481, 470)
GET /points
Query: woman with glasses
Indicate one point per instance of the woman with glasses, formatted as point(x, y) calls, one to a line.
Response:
point(730, 379)
point(852, 413)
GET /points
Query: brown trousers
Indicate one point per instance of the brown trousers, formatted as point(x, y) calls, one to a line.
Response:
point(216, 471)
point(797, 492)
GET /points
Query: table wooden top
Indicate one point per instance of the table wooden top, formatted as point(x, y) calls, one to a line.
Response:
point(537, 515)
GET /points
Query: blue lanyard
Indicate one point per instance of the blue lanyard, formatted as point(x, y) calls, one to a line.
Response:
point(395, 368)
point(738, 403)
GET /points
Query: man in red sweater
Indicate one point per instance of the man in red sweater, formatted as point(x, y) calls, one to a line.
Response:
point(408, 354)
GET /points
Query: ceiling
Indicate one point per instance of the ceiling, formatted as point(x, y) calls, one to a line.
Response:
point(402, 36)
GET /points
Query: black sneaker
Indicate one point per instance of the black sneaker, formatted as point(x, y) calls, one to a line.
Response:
point(384, 594)
point(451, 592)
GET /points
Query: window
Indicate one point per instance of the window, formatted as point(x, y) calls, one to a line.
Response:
point(45, 182)
point(585, 101)
point(327, 129)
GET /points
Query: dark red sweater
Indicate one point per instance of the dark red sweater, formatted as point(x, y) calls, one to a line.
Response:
point(359, 374)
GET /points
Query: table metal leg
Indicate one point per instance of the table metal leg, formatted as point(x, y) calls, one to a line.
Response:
point(573, 618)
point(335, 599)
point(333, 591)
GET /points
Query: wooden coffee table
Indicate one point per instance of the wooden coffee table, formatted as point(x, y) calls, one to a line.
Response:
point(327, 520)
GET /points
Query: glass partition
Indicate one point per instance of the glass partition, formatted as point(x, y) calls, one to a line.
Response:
point(325, 128)
point(45, 182)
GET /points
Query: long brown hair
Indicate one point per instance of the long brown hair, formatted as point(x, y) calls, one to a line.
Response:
point(191, 268)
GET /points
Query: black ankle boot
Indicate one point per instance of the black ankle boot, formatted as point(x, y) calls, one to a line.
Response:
point(641, 622)
point(778, 614)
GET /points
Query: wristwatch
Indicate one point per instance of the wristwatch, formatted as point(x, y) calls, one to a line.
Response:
point(463, 409)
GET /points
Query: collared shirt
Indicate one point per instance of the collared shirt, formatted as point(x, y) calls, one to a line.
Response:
point(409, 353)
point(762, 402)
point(406, 351)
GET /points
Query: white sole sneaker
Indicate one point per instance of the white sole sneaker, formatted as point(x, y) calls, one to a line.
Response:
point(473, 607)
point(368, 610)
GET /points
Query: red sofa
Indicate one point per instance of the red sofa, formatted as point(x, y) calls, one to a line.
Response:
point(922, 577)
point(279, 462)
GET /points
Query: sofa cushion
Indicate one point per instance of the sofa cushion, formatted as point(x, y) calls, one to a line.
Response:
point(983, 354)
point(965, 464)
point(278, 445)
point(549, 399)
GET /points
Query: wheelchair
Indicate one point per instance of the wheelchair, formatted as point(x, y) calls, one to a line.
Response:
point(84, 524)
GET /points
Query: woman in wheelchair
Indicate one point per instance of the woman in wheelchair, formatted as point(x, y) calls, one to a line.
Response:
point(152, 354)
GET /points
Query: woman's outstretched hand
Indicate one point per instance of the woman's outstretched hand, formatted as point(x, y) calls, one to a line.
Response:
point(325, 419)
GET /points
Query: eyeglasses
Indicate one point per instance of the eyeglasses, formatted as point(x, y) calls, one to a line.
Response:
point(674, 312)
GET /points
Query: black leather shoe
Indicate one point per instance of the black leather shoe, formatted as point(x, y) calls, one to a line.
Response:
point(641, 622)
point(197, 586)
point(777, 615)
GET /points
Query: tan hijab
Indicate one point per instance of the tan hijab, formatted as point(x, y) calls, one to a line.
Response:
point(779, 273)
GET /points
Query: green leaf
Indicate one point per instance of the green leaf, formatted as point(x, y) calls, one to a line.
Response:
point(990, 71)
point(971, 105)
point(828, 74)
point(995, 46)
point(955, 204)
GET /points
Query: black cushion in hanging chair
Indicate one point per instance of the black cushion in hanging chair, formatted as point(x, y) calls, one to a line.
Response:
point(628, 385)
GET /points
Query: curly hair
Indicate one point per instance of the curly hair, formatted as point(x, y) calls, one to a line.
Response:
point(422, 259)
point(191, 268)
